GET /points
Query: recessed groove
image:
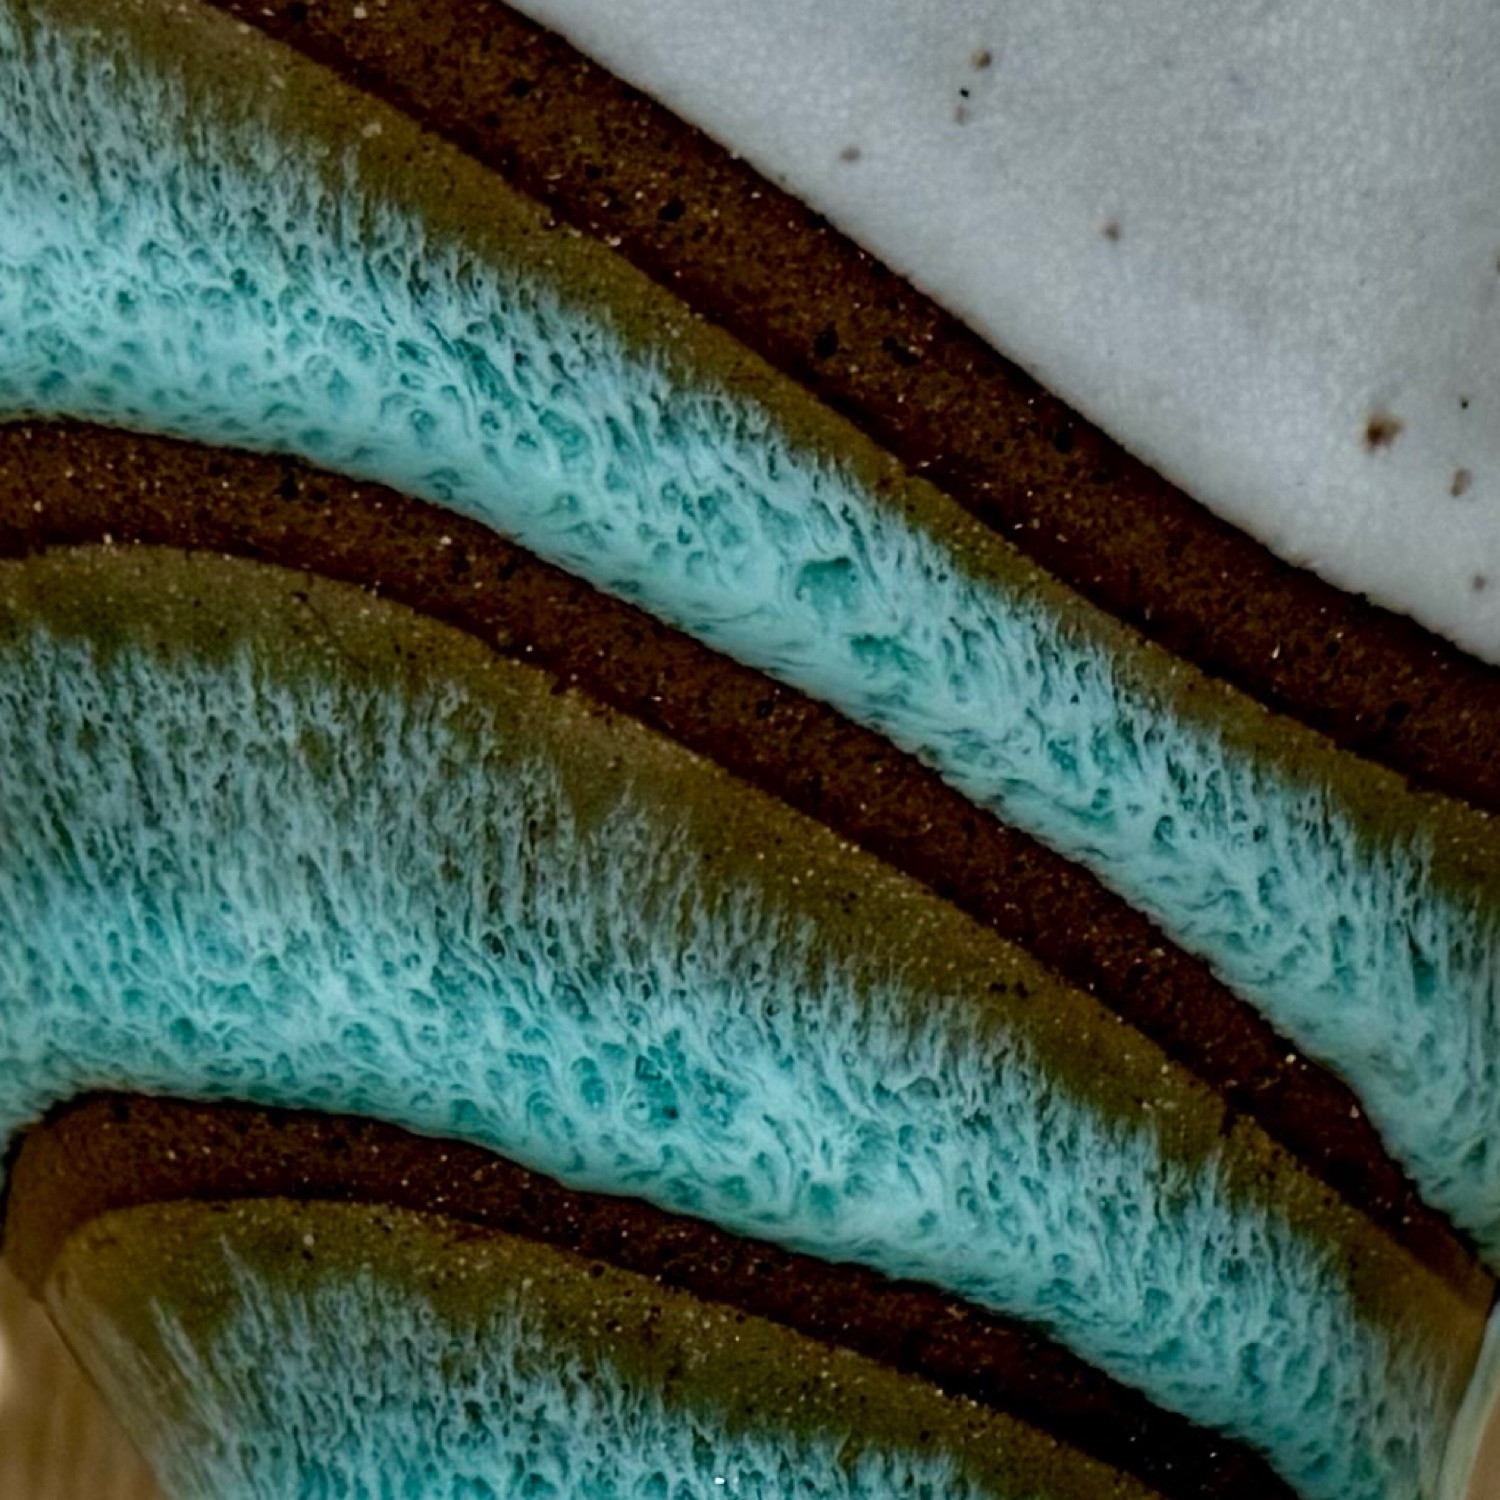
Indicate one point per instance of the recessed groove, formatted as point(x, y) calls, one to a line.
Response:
point(778, 277)
point(643, 448)
point(66, 484)
point(119, 1152)
point(279, 838)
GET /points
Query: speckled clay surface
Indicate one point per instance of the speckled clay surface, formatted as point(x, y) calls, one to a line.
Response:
point(271, 839)
point(501, 1366)
point(290, 845)
point(755, 523)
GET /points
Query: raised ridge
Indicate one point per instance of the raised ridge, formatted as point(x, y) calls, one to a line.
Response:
point(115, 1152)
point(743, 252)
point(67, 484)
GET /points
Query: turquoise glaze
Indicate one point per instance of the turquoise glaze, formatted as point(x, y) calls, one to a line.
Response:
point(220, 885)
point(407, 1404)
point(398, 927)
point(184, 274)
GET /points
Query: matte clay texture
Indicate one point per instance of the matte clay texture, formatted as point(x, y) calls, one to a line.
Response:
point(64, 484)
point(478, 1366)
point(172, 235)
point(113, 1152)
point(273, 840)
point(754, 260)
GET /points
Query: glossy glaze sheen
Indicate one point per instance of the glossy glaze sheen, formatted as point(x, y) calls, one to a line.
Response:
point(269, 839)
point(184, 271)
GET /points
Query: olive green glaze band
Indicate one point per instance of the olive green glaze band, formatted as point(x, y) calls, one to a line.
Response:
point(118, 1275)
point(237, 72)
point(870, 921)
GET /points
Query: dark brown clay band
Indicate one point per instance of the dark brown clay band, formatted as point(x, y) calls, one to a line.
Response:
point(116, 1152)
point(66, 484)
point(608, 160)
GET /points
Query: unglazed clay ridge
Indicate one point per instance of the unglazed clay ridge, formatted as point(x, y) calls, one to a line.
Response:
point(187, 274)
point(232, 881)
point(473, 1379)
point(1259, 243)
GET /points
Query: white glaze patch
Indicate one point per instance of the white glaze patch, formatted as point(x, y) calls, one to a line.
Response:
point(1234, 234)
point(185, 274)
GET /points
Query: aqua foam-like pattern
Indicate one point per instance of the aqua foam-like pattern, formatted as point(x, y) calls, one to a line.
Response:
point(217, 884)
point(408, 1403)
point(175, 272)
